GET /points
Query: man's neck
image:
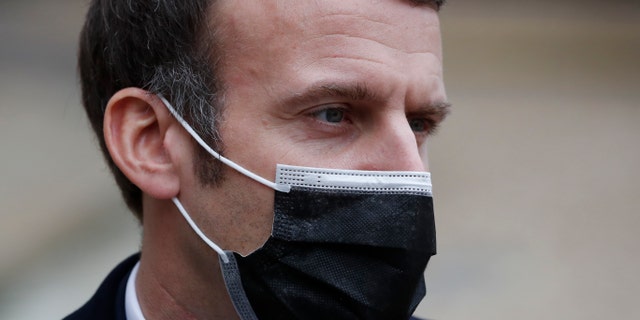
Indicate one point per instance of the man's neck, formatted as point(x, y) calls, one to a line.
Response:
point(179, 277)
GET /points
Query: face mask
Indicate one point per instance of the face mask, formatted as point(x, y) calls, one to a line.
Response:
point(345, 244)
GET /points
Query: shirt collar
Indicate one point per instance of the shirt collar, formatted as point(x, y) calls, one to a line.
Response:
point(131, 303)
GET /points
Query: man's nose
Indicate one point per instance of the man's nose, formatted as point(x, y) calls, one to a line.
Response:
point(392, 146)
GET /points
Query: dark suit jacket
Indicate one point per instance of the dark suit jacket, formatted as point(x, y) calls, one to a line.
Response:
point(108, 302)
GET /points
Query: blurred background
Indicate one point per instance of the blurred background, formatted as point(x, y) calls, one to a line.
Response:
point(536, 172)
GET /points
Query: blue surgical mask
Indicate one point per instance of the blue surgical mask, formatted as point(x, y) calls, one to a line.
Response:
point(345, 244)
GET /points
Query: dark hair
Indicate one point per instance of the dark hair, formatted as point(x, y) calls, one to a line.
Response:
point(162, 46)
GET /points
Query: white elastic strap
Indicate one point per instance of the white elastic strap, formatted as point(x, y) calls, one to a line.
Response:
point(199, 232)
point(186, 126)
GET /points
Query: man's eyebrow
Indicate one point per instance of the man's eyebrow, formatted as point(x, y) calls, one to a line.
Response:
point(319, 92)
point(437, 3)
point(359, 92)
point(438, 110)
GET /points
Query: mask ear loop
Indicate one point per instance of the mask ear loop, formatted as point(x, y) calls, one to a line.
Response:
point(199, 232)
point(178, 204)
point(186, 126)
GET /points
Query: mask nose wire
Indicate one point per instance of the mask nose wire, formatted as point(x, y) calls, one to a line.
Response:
point(237, 167)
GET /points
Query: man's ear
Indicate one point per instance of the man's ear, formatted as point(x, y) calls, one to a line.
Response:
point(135, 127)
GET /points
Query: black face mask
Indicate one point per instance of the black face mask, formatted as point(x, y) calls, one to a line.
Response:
point(356, 249)
point(345, 244)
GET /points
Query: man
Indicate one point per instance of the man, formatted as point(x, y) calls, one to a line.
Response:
point(354, 85)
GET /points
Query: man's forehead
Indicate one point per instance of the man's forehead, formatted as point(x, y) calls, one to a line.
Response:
point(288, 11)
point(277, 19)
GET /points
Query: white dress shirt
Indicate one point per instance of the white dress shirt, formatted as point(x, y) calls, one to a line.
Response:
point(131, 304)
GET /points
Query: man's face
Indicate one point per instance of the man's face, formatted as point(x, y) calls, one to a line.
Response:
point(349, 84)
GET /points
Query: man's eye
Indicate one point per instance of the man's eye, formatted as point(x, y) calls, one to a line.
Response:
point(332, 115)
point(418, 125)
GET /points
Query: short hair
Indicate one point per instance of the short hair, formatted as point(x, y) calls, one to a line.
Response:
point(162, 46)
point(165, 47)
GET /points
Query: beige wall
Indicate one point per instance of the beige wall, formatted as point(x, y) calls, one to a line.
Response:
point(535, 172)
